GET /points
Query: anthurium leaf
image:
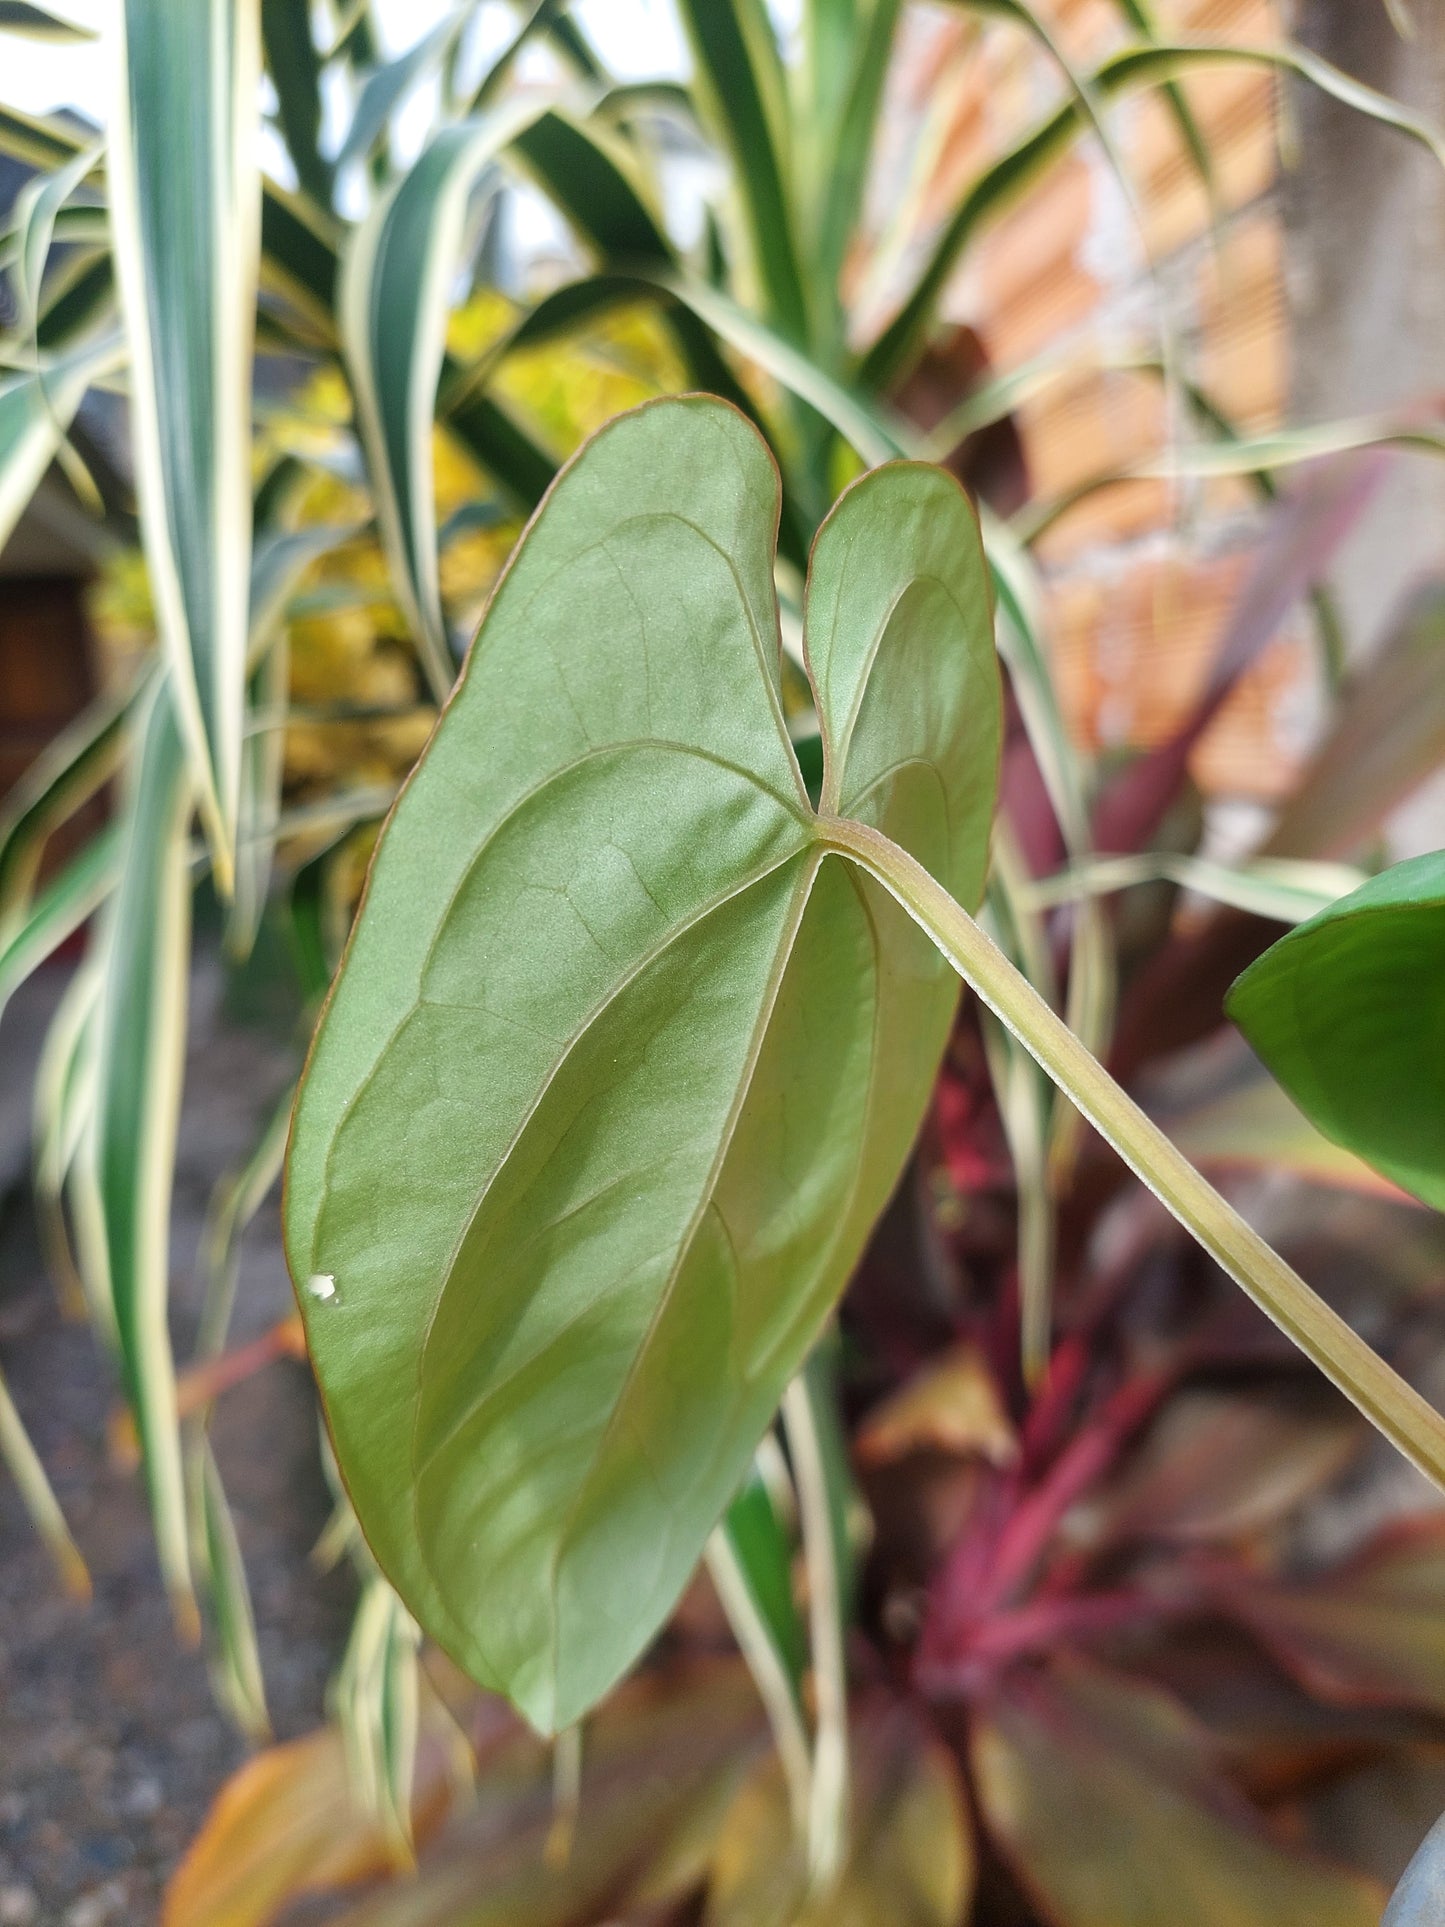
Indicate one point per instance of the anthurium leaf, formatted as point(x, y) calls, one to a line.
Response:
point(1345, 1011)
point(659, 1059)
point(1102, 1793)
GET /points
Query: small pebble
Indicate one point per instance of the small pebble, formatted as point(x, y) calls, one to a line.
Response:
point(143, 1797)
point(98, 1908)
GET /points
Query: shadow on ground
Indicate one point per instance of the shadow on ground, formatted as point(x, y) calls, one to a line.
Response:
point(111, 1748)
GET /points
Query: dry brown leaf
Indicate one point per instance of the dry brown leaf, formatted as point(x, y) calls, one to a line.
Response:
point(953, 1405)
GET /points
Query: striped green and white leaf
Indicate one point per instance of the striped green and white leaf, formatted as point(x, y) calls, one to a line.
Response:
point(836, 105)
point(293, 61)
point(741, 86)
point(38, 1497)
point(185, 198)
point(1282, 888)
point(81, 225)
point(58, 910)
point(395, 288)
point(62, 1106)
point(375, 1697)
point(389, 86)
point(825, 1503)
point(263, 757)
point(1148, 65)
point(234, 1657)
point(235, 1201)
point(1022, 1094)
point(749, 1558)
point(37, 406)
point(65, 775)
point(1254, 457)
point(140, 1046)
point(39, 23)
point(37, 207)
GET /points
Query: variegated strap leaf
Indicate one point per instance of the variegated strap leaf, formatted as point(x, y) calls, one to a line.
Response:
point(36, 408)
point(140, 1058)
point(185, 191)
point(393, 303)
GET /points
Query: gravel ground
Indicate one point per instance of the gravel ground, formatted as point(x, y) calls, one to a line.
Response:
point(111, 1749)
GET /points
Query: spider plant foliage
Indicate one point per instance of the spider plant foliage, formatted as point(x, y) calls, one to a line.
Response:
point(658, 959)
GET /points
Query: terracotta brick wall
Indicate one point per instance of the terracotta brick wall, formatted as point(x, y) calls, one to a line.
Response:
point(1139, 577)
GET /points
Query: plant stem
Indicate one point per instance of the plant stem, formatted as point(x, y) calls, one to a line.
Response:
point(1395, 1408)
point(829, 1790)
point(755, 1642)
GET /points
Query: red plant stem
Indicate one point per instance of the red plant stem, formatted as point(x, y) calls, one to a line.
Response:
point(995, 1561)
point(1081, 1465)
point(1048, 1415)
point(1042, 1627)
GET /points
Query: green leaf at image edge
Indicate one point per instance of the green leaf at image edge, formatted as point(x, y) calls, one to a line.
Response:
point(1348, 1012)
point(620, 1068)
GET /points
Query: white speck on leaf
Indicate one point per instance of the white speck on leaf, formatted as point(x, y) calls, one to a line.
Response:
point(321, 1285)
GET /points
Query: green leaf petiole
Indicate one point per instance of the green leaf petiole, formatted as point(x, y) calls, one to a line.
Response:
point(1412, 1425)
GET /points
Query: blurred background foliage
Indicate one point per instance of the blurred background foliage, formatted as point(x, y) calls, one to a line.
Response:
point(1137, 1623)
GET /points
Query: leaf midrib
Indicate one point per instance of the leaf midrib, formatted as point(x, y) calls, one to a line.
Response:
point(782, 956)
point(569, 1045)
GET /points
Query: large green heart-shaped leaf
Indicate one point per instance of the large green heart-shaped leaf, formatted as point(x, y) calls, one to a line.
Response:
point(1348, 1011)
point(624, 1061)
